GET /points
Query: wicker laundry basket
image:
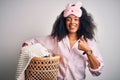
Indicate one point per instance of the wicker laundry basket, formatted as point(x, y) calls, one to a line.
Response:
point(42, 68)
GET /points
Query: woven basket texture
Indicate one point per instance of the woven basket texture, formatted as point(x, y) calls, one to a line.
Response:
point(42, 68)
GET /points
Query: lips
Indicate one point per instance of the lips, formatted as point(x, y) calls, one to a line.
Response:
point(72, 26)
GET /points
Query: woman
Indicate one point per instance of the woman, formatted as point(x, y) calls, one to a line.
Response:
point(72, 38)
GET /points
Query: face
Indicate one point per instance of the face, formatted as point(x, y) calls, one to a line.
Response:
point(72, 23)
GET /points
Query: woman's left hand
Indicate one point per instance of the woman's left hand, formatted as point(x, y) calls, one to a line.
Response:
point(82, 44)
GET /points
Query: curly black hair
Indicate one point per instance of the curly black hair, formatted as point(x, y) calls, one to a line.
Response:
point(86, 28)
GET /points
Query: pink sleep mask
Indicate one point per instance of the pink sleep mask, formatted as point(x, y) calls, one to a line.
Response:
point(73, 9)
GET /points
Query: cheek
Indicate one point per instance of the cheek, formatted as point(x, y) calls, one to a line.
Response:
point(67, 24)
point(78, 24)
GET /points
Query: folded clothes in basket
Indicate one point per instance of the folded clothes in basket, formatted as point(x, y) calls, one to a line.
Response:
point(27, 53)
point(35, 50)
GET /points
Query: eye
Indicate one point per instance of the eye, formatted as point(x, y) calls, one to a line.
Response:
point(76, 19)
point(68, 19)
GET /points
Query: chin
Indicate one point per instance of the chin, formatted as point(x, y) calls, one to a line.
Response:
point(72, 31)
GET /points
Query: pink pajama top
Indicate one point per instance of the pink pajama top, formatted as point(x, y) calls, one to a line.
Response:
point(73, 62)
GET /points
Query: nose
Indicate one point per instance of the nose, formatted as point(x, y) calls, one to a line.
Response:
point(72, 21)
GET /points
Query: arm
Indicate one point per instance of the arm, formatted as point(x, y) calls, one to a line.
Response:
point(30, 42)
point(95, 62)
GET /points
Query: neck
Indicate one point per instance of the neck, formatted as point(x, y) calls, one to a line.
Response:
point(72, 36)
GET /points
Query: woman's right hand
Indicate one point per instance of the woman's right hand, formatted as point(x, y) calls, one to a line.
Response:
point(24, 44)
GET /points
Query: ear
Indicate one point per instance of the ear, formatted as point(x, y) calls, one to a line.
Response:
point(79, 4)
point(68, 6)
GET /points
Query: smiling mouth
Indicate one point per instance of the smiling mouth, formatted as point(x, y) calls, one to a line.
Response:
point(72, 26)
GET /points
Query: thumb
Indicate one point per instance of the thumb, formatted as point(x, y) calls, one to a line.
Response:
point(82, 38)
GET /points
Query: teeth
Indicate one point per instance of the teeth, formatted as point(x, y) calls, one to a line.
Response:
point(72, 26)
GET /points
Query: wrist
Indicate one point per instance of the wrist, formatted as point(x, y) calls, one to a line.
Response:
point(88, 52)
point(87, 49)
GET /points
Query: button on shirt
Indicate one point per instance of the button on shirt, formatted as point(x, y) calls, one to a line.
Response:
point(73, 63)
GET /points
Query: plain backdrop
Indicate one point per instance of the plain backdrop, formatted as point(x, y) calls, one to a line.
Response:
point(21, 20)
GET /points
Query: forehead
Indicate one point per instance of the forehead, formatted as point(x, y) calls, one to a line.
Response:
point(72, 16)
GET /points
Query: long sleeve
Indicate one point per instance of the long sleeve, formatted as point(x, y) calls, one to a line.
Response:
point(96, 52)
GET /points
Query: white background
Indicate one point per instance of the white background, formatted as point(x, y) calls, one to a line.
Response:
point(24, 19)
